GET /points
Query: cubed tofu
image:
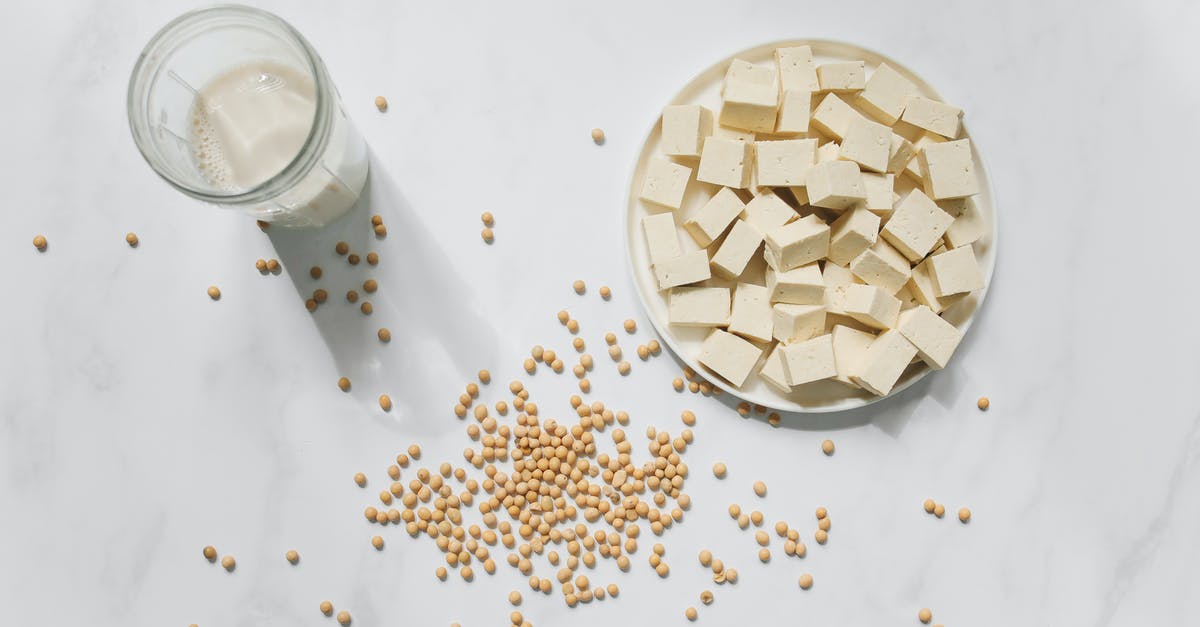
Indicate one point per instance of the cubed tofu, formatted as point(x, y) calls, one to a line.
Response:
point(665, 182)
point(900, 153)
point(751, 317)
point(795, 323)
point(836, 278)
point(795, 109)
point(969, 225)
point(851, 234)
point(835, 185)
point(729, 356)
point(661, 238)
point(800, 286)
point(699, 306)
point(885, 93)
point(828, 151)
point(907, 299)
point(690, 267)
point(849, 347)
point(883, 266)
point(922, 287)
point(867, 143)
point(714, 217)
point(880, 190)
point(797, 244)
point(915, 169)
point(949, 170)
point(737, 250)
point(956, 271)
point(871, 306)
point(784, 163)
point(916, 226)
point(833, 116)
point(884, 361)
point(766, 211)
point(810, 360)
point(772, 370)
point(684, 129)
point(933, 116)
point(797, 71)
point(750, 97)
point(727, 162)
point(842, 77)
point(934, 338)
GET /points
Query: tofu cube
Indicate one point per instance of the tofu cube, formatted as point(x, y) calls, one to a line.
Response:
point(727, 162)
point(916, 226)
point(801, 286)
point(835, 185)
point(796, 69)
point(900, 153)
point(884, 361)
point(750, 97)
point(885, 93)
point(842, 77)
point(665, 182)
point(716, 214)
point(849, 347)
point(783, 163)
point(795, 110)
point(661, 239)
point(867, 143)
point(691, 267)
point(871, 306)
point(796, 244)
point(699, 306)
point(955, 271)
point(684, 129)
point(934, 338)
point(736, 251)
point(949, 170)
point(969, 225)
point(907, 299)
point(883, 266)
point(923, 289)
point(729, 356)
point(773, 372)
point(851, 234)
point(795, 323)
point(836, 278)
point(933, 116)
point(810, 360)
point(914, 169)
point(828, 152)
point(880, 191)
point(832, 116)
point(766, 211)
point(752, 314)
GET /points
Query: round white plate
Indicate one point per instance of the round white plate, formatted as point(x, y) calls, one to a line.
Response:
point(820, 396)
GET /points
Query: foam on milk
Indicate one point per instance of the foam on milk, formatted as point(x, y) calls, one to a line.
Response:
point(250, 123)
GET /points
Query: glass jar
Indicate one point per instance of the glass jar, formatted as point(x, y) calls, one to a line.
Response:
point(231, 106)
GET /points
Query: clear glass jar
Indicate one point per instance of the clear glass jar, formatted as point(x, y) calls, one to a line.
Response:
point(319, 176)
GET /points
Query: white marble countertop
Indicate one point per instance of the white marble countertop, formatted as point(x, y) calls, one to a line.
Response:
point(139, 421)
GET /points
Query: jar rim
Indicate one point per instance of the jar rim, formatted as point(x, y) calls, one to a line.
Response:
point(146, 71)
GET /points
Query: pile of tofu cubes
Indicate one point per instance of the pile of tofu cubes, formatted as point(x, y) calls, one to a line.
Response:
point(857, 191)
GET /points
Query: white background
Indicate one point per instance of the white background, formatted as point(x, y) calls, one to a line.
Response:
point(139, 421)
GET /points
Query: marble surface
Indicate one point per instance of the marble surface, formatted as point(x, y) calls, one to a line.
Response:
point(140, 421)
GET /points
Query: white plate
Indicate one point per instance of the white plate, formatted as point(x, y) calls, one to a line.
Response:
point(821, 396)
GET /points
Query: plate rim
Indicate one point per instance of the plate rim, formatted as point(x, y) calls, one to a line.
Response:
point(850, 403)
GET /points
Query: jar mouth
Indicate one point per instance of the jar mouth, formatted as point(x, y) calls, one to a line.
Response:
point(149, 68)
